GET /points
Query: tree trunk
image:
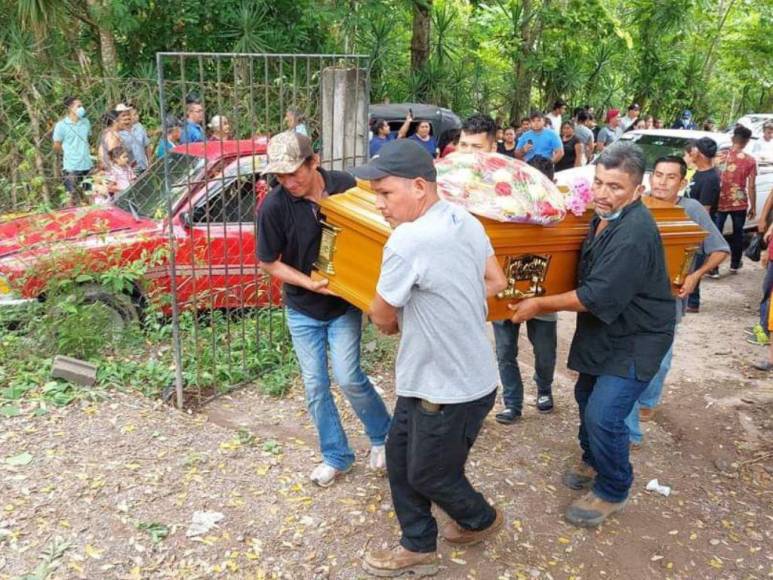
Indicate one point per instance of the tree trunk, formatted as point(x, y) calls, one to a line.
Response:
point(420, 37)
point(107, 51)
point(523, 75)
point(40, 164)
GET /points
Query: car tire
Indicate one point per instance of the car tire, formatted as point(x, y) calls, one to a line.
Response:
point(124, 311)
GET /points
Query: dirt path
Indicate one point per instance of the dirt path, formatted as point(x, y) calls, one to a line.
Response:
point(102, 481)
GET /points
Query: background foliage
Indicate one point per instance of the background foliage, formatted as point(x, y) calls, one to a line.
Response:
point(498, 56)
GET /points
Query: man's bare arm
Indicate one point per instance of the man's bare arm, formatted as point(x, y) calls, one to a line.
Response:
point(290, 275)
point(383, 315)
point(494, 277)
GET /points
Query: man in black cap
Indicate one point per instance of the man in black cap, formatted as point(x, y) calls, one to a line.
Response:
point(704, 187)
point(437, 270)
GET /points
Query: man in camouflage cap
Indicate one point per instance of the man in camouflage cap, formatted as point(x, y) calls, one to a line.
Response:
point(289, 235)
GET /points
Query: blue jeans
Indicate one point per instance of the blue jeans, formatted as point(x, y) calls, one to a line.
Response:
point(650, 397)
point(311, 339)
point(604, 403)
point(736, 238)
point(767, 292)
point(542, 335)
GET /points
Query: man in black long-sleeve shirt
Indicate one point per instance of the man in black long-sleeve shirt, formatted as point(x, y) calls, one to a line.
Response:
point(625, 325)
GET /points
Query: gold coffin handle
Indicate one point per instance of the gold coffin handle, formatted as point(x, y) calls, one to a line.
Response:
point(527, 267)
point(684, 268)
point(327, 247)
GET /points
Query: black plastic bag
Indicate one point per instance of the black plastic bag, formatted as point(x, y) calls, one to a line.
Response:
point(756, 246)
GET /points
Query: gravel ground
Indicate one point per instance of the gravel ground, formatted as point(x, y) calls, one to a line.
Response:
point(109, 489)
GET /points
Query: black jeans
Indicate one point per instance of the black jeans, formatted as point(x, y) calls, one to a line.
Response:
point(542, 336)
point(694, 299)
point(736, 238)
point(426, 452)
point(73, 183)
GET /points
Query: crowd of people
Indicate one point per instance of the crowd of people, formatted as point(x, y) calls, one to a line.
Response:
point(124, 148)
point(438, 269)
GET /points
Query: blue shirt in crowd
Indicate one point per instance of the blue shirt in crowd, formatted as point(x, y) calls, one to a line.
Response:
point(377, 143)
point(191, 133)
point(163, 146)
point(430, 145)
point(74, 138)
point(545, 143)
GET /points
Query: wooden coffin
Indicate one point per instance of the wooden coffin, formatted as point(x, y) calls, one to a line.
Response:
point(538, 260)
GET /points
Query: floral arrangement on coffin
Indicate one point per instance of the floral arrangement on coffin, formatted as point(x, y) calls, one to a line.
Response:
point(504, 189)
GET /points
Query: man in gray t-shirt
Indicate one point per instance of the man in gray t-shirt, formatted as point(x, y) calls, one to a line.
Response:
point(438, 267)
point(667, 179)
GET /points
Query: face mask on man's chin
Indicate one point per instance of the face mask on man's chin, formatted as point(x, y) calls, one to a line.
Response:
point(609, 216)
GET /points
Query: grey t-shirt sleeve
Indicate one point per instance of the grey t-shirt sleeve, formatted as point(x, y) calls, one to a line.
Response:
point(715, 241)
point(397, 279)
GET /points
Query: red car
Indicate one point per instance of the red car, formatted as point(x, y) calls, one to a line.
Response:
point(216, 191)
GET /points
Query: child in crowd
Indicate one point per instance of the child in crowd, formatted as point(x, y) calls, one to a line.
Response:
point(120, 174)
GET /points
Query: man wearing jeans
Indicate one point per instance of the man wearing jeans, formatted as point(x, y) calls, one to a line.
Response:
point(667, 180)
point(542, 335)
point(737, 194)
point(438, 267)
point(71, 138)
point(625, 325)
point(289, 235)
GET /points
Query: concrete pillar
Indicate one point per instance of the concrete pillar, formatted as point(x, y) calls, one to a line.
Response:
point(344, 116)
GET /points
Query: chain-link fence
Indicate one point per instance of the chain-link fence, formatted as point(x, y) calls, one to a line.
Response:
point(180, 242)
point(232, 104)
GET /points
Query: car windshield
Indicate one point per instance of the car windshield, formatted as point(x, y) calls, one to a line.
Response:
point(657, 146)
point(146, 195)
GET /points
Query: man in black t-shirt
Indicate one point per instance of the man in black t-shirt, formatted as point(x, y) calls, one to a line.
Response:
point(704, 187)
point(289, 236)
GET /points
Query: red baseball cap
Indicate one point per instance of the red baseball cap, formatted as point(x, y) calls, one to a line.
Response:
point(612, 113)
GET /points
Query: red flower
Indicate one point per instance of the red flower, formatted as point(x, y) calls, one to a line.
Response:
point(502, 188)
point(546, 210)
point(493, 162)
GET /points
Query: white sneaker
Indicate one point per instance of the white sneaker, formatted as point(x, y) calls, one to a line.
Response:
point(325, 476)
point(378, 458)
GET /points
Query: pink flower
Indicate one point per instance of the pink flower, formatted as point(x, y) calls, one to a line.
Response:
point(503, 189)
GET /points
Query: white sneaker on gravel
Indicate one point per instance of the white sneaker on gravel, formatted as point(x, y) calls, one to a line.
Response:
point(325, 476)
point(378, 458)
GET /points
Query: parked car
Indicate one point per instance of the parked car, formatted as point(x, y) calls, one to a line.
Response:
point(659, 142)
point(440, 119)
point(216, 191)
point(753, 121)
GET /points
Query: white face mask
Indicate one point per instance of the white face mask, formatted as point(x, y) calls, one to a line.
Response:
point(610, 217)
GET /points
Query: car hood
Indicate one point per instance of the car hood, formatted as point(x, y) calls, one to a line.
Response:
point(40, 230)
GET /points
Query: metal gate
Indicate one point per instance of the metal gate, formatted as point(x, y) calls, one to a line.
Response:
point(227, 322)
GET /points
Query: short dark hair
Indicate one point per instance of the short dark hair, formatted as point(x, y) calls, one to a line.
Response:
point(558, 103)
point(68, 101)
point(673, 159)
point(525, 120)
point(535, 115)
point(583, 116)
point(480, 123)
point(116, 152)
point(742, 134)
point(576, 112)
point(377, 124)
point(626, 157)
point(544, 164)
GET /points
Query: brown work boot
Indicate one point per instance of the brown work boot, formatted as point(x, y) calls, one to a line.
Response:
point(590, 510)
point(645, 414)
point(580, 476)
point(456, 534)
point(399, 561)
